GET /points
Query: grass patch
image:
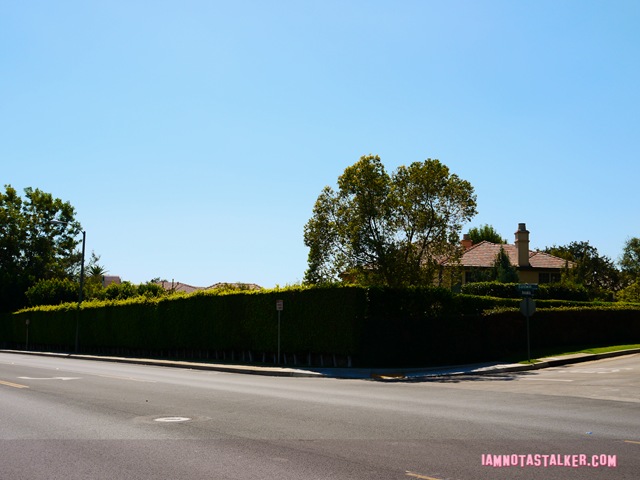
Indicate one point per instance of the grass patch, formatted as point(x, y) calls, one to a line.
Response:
point(538, 355)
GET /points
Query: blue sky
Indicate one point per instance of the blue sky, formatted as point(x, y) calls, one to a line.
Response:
point(193, 137)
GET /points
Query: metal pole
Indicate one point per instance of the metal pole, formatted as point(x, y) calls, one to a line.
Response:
point(84, 237)
point(528, 336)
point(278, 337)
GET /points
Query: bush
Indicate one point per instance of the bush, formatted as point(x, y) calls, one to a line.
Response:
point(151, 290)
point(374, 326)
point(630, 294)
point(492, 289)
point(53, 291)
point(120, 291)
point(546, 291)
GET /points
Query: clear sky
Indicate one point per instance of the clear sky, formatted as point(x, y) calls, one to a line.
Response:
point(193, 137)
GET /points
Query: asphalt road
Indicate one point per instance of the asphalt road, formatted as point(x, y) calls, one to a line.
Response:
point(76, 419)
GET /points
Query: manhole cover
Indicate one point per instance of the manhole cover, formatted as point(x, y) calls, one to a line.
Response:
point(172, 419)
point(155, 419)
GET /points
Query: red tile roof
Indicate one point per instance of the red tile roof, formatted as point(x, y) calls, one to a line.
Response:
point(183, 287)
point(484, 254)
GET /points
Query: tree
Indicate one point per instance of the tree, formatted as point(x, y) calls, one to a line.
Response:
point(381, 229)
point(485, 232)
point(503, 270)
point(93, 284)
point(630, 260)
point(31, 247)
point(53, 291)
point(597, 273)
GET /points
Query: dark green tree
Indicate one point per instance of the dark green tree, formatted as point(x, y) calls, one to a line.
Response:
point(630, 260)
point(485, 232)
point(597, 273)
point(381, 229)
point(503, 270)
point(31, 247)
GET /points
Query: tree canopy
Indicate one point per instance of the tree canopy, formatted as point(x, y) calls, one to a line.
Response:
point(503, 271)
point(383, 229)
point(485, 232)
point(630, 260)
point(596, 272)
point(32, 248)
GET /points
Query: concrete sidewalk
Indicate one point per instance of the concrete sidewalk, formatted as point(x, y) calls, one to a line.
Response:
point(380, 374)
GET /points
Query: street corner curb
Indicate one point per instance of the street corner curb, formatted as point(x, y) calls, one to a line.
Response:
point(559, 361)
point(388, 377)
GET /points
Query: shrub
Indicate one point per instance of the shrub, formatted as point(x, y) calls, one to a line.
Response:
point(53, 291)
point(120, 291)
point(492, 289)
point(547, 291)
point(630, 294)
point(151, 290)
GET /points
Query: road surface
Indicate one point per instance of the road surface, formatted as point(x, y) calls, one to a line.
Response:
point(72, 419)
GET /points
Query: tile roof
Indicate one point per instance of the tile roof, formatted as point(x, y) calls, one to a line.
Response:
point(178, 287)
point(235, 285)
point(183, 287)
point(484, 254)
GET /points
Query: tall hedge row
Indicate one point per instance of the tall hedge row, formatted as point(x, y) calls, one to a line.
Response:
point(369, 326)
point(549, 291)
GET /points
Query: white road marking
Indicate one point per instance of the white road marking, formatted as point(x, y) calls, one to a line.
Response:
point(50, 378)
point(116, 377)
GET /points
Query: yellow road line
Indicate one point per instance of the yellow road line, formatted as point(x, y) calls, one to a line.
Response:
point(631, 441)
point(14, 385)
point(417, 475)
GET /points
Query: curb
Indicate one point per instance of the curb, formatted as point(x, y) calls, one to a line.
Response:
point(266, 371)
point(550, 362)
point(382, 375)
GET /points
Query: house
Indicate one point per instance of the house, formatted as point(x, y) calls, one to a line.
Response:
point(109, 279)
point(183, 287)
point(177, 286)
point(532, 266)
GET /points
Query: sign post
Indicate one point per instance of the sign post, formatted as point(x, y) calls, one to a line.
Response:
point(528, 308)
point(26, 346)
point(279, 308)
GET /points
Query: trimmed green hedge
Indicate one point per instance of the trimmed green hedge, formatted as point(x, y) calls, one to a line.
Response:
point(369, 326)
point(551, 291)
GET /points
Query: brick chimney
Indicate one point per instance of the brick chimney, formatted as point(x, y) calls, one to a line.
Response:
point(466, 241)
point(522, 245)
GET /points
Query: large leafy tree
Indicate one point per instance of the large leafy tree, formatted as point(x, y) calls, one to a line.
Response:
point(382, 229)
point(32, 248)
point(596, 272)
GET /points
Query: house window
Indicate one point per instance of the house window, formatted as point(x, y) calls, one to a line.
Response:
point(477, 275)
point(549, 277)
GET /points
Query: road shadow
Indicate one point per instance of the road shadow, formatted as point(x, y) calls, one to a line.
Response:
point(457, 378)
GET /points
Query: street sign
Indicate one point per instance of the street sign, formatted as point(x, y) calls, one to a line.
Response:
point(279, 305)
point(527, 289)
point(527, 306)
